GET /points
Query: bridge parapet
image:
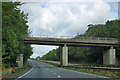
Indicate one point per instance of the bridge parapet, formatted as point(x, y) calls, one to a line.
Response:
point(98, 39)
point(50, 36)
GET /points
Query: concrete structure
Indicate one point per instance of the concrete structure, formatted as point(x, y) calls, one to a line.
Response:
point(109, 56)
point(20, 61)
point(83, 42)
point(64, 56)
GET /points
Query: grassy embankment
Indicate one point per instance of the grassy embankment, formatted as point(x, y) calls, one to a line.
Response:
point(7, 72)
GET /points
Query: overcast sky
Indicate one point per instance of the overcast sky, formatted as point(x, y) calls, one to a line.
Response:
point(65, 18)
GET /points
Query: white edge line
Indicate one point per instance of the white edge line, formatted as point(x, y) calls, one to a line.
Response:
point(24, 74)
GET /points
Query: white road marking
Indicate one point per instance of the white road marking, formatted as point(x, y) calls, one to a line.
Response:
point(84, 73)
point(49, 70)
point(25, 73)
point(53, 72)
point(59, 76)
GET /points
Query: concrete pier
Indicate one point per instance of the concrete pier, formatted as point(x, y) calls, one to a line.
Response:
point(64, 56)
point(109, 56)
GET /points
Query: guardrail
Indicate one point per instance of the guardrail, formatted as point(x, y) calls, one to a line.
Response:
point(85, 67)
point(99, 39)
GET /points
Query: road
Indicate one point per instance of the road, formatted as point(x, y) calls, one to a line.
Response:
point(43, 70)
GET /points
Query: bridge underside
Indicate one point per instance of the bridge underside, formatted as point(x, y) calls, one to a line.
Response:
point(108, 56)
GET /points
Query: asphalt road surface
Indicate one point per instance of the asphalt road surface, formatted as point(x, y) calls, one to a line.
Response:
point(43, 70)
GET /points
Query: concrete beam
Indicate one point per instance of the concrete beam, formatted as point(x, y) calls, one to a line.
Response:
point(109, 56)
point(64, 56)
point(69, 42)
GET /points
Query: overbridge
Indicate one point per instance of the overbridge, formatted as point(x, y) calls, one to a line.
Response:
point(108, 56)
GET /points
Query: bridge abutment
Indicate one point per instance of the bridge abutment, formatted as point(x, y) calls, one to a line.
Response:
point(109, 56)
point(64, 56)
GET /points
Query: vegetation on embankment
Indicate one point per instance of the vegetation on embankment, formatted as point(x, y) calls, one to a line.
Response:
point(7, 72)
point(107, 73)
point(94, 55)
point(14, 28)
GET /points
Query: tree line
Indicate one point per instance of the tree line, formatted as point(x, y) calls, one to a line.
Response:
point(111, 29)
point(14, 28)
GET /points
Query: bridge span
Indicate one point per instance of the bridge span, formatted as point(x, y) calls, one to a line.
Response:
point(109, 56)
point(82, 42)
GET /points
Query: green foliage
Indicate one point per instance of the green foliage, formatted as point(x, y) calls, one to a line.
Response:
point(14, 27)
point(90, 55)
point(27, 52)
point(51, 55)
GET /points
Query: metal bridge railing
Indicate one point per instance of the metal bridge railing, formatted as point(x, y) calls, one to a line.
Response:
point(100, 39)
point(51, 36)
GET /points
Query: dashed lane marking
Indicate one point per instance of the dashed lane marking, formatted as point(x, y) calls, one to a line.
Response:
point(52, 72)
point(59, 76)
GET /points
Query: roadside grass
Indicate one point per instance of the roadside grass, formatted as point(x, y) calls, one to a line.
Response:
point(101, 72)
point(6, 73)
point(111, 74)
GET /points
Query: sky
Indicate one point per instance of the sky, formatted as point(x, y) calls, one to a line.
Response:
point(65, 18)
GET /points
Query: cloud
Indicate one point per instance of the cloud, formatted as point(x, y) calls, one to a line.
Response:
point(65, 18)
point(40, 50)
point(62, 0)
point(34, 55)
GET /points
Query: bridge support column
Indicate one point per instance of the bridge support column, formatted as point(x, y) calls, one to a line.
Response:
point(64, 56)
point(109, 56)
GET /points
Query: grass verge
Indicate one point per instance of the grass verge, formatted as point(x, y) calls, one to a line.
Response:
point(6, 73)
point(107, 73)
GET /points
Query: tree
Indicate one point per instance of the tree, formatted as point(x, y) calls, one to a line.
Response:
point(14, 28)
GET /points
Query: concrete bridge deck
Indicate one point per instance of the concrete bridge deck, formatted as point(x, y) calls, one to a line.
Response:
point(83, 42)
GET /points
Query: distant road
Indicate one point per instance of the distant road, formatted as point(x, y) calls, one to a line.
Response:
point(43, 70)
